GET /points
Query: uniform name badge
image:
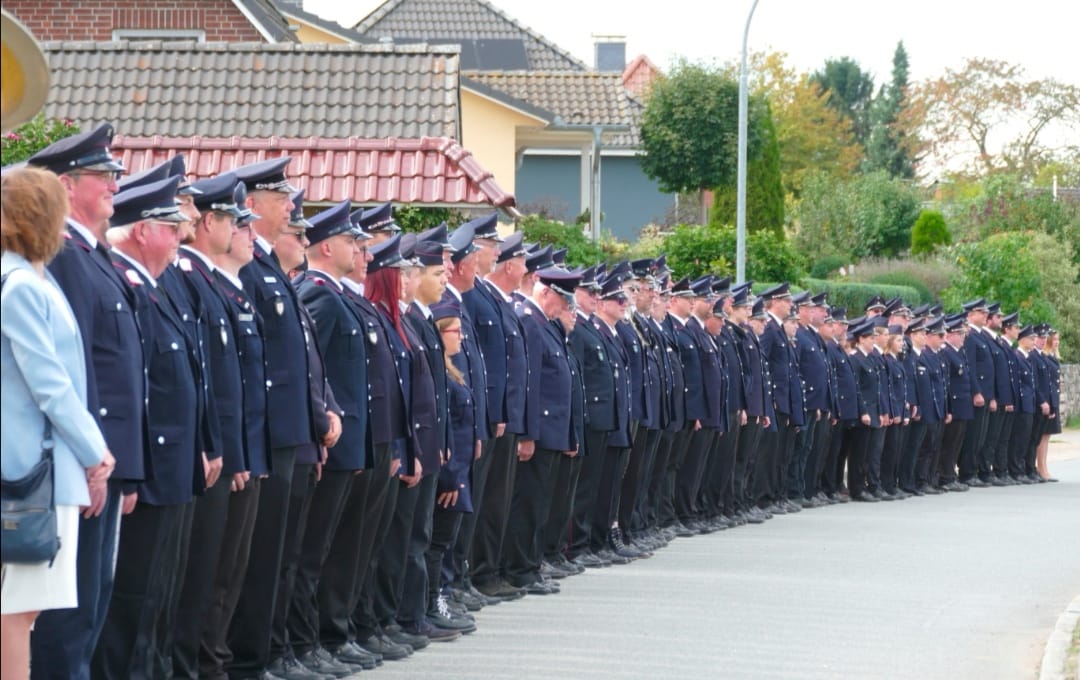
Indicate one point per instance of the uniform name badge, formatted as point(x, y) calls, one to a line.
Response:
point(246, 317)
point(279, 306)
point(372, 337)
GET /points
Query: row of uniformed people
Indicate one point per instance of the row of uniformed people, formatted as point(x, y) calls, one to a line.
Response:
point(369, 469)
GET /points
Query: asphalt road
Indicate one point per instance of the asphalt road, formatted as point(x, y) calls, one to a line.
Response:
point(956, 586)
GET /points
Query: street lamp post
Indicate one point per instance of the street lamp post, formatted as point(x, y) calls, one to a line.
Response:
point(740, 210)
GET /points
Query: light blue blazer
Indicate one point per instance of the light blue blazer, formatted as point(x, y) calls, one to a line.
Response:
point(43, 371)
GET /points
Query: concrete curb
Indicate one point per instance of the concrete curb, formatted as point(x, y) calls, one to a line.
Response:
point(1057, 647)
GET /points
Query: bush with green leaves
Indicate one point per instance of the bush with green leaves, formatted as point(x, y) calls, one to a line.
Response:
point(581, 250)
point(415, 218)
point(828, 265)
point(1026, 272)
point(932, 274)
point(32, 136)
point(923, 294)
point(695, 250)
point(929, 232)
point(853, 296)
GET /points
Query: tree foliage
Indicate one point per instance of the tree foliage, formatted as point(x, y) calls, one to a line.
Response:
point(764, 190)
point(929, 232)
point(849, 92)
point(32, 136)
point(414, 218)
point(988, 117)
point(693, 250)
point(689, 129)
point(885, 147)
point(811, 135)
point(869, 215)
point(581, 250)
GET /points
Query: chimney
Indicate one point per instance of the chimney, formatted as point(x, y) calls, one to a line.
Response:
point(610, 53)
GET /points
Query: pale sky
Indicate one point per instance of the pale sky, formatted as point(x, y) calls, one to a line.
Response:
point(938, 34)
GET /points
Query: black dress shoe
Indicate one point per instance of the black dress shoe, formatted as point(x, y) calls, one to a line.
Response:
point(878, 494)
point(501, 590)
point(440, 616)
point(380, 645)
point(288, 668)
point(433, 633)
point(319, 661)
point(417, 642)
point(997, 481)
point(587, 560)
point(775, 509)
point(865, 497)
point(540, 588)
point(928, 490)
point(352, 654)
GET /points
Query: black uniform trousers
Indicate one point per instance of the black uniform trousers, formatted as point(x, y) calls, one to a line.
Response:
point(832, 476)
point(857, 442)
point(1040, 424)
point(324, 519)
point(373, 488)
point(689, 479)
point(656, 485)
point(456, 564)
point(445, 529)
point(999, 461)
point(800, 457)
point(746, 454)
point(873, 458)
point(528, 514)
point(819, 457)
point(64, 639)
point(365, 622)
point(1019, 442)
point(413, 605)
point(971, 450)
point(640, 461)
point(637, 519)
point(350, 553)
point(581, 520)
point(301, 491)
point(995, 422)
point(784, 456)
point(556, 534)
point(951, 442)
point(721, 496)
point(679, 446)
point(389, 571)
point(485, 563)
point(771, 463)
point(151, 557)
point(207, 535)
point(890, 457)
point(249, 632)
point(909, 456)
point(229, 580)
point(929, 460)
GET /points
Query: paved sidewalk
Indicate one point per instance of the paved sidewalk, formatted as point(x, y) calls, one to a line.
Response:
point(958, 586)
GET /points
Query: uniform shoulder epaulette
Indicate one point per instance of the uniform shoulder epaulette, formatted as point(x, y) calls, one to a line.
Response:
point(132, 277)
point(184, 263)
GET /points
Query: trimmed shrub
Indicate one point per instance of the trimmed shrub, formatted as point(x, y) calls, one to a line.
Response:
point(901, 278)
point(853, 296)
point(827, 265)
point(580, 249)
point(936, 273)
point(929, 232)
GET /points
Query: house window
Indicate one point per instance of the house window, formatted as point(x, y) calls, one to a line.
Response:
point(162, 34)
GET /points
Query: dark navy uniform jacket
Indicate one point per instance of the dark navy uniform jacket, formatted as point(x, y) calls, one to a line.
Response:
point(961, 383)
point(426, 441)
point(517, 361)
point(897, 387)
point(1003, 388)
point(547, 409)
point(432, 348)
point(884, 394)
point(387, 403)
point(729, 342)
point(774, 349)
point(796, 392)
point(1014, 368)
point(319, 392)
point(1042, 379)
point(847, 395)
point(598, 374)
point(289, 394)
point(759, 401)
point(106, 311)
point(342, 338)
point(487, 329)
point(176, 428)
point(813, 369)
point(712, 374)
point(635, 356)
point(471, 359)
point(1026, 403)
point(1053, 376)
point(221, 361)
point(454, 476)
point(579, 417)
point(696, 406)
point(867, 376)
point(651, 348)
point(978, 351)
point(673, 386)
point(247, 329)
point(619, 436)
point(929, 386)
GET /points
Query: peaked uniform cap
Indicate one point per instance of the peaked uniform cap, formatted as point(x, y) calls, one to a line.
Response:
point(154, 201)
point(84, 151)
point(266, 175)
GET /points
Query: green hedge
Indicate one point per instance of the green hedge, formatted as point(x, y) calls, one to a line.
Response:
point(904, 279)
point(853, 296)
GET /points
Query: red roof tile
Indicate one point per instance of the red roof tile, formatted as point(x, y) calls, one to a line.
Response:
point(432, 171)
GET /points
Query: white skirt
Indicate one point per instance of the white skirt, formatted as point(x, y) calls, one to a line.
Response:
point(37, 587)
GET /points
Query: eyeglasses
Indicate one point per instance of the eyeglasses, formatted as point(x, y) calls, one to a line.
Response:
point(107, 176)
point(452, 330)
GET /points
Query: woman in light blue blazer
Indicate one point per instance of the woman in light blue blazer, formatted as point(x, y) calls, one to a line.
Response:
point(43, 374)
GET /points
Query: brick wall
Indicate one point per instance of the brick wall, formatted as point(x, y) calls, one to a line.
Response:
point(96, 19)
